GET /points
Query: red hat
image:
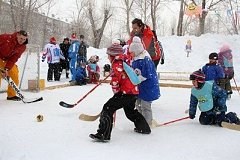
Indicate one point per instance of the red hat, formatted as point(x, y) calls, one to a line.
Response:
point(74, 36)
point(53, 40)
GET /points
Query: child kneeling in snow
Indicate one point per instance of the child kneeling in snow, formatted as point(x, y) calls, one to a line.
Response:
point(93, 69)
point(211, 100)
point(81, 74)
point(125, 95)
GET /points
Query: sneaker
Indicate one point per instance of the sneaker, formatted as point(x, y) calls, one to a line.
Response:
point(99, 137)
point(15, 98)
point(141, 131)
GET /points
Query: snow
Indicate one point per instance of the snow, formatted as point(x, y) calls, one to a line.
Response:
point(61, 135)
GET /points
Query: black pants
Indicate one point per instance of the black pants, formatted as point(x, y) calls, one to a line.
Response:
point(64, 65)
point(156, 62)
point(54, 69)
point(127, 102)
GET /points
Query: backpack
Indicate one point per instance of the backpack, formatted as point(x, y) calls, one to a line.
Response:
point(160, 47)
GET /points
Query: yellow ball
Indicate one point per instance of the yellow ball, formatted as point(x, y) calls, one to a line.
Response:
point(39, 118)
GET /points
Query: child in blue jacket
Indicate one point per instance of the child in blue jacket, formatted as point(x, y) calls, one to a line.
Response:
point(212, 70)
point(81, 74)
point(149, 87)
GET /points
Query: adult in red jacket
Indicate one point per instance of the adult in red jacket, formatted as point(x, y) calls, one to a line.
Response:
point(148, 38)
point(12, 47)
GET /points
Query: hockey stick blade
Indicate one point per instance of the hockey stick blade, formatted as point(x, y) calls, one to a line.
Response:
point(32, 100)
point(66, 105)
point(230, 126)
point(86, 117)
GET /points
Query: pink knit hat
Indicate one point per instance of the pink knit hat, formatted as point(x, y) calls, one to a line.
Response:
point(224, 48)
point(115, 49)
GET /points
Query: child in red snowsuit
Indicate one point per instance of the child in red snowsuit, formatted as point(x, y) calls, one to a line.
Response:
point(125, 95)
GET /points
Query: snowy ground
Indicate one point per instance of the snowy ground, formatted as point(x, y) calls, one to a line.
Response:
point(63, 136)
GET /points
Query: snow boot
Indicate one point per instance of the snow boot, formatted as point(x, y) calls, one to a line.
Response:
point(15, 98)
point(99, 137)
point(141, 131)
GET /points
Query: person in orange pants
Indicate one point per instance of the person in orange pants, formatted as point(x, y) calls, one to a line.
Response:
point(12, 47)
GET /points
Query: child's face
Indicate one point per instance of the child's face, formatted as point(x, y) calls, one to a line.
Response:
point(212, 61)
point(195, 83)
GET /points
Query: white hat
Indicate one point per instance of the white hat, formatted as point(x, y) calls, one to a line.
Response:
point(136, 46)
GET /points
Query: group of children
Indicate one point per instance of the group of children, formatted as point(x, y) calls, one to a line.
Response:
point(135, 99)
point(211, 88)
point(71, 56)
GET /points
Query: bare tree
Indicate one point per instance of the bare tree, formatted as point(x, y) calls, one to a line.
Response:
point(21, 11)
point(234, 22)
point(154, 7)
point(79, 23)
point(180, 19)
point(205, 9)
point(127, 9)
point(98, 32)
point(46, 28)
point(143, 6)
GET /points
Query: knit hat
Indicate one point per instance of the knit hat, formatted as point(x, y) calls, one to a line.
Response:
point(115, 49)
point(224, 48)
point(198, 76)
point(213, 56)
point(136, 46)
point(53, 40)
point(74, 36)
point(115, 41)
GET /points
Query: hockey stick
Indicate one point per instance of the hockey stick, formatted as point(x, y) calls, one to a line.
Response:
point(173, 121)
point(67, 105)
point(236, 85)
point(86, 117)
point(17, 90)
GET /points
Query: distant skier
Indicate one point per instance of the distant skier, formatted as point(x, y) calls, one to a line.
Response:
point(125, 94)
point(188, 47)
point(211, 100)
point(225, 59)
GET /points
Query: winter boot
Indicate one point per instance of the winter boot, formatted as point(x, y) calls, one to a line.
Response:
point(99, 137)
point(67, 74)
point(15, 98)
point(141, 131)
point(232, 118)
